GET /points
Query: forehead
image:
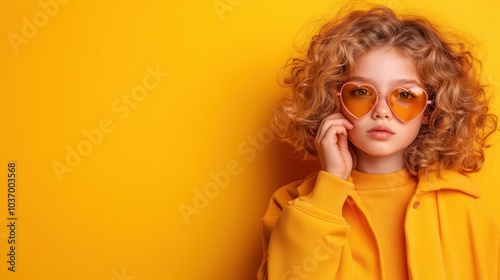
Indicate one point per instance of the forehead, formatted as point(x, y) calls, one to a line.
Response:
point(384, 67)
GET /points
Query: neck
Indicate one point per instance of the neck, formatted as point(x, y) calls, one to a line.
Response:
point(367, 163)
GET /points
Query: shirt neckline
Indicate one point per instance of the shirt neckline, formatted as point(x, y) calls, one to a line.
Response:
point(366, 181)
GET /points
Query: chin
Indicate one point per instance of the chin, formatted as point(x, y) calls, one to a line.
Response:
point(378, 152)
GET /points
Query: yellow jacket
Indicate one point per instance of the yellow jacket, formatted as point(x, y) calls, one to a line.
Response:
point(449, 235)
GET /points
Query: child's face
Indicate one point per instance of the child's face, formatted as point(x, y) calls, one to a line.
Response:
point(380, 134)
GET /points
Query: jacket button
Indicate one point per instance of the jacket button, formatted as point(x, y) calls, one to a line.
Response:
point(416, 204)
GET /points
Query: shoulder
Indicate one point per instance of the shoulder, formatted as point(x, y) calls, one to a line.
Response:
point(290, 191)
point(447, 181)
point(456, 197)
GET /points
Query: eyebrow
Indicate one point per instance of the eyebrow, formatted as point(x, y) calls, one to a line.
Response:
point(371, 81)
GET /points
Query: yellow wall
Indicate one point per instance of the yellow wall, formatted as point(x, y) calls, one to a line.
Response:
point(120, 113)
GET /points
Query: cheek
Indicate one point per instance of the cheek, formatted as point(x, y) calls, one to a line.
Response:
point(356, 132)
point(414, 125)
point(412, 131)
point(349, 117)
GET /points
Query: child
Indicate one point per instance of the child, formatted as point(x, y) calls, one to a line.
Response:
point(398, 117)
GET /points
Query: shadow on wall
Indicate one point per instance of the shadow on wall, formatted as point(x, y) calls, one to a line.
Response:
point(283, 166)
point(286, 166)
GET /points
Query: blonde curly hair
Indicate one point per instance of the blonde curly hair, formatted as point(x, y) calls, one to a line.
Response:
point(460, 121)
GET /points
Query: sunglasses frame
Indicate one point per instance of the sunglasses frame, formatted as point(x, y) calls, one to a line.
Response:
point(339, 94)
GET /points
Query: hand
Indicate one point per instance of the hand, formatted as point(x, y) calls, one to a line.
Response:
point(332, 145)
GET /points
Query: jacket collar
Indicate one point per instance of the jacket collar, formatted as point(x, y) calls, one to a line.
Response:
point(447, 180)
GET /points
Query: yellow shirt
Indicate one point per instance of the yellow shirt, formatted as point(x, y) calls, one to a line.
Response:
point(386, 198)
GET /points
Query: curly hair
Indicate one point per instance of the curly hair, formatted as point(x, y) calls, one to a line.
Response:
point(460, 121)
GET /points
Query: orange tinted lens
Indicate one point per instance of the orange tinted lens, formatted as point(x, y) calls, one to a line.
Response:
point(407, 104)
point(358, 100)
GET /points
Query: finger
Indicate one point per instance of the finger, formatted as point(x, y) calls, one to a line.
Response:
point(332, 121)
point(338, 117)
point(330, 136)
point(343, 143)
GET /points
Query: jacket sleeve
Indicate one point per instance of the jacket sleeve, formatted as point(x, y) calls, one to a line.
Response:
point(304, 236)
point(498, 260)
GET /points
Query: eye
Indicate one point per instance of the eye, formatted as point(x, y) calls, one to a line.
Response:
point(361, 92)
point(409, 94)
point(405, 95)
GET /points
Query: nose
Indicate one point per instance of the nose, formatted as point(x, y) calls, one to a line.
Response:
point(381, 108)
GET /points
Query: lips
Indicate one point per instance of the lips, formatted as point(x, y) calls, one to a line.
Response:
point(381, 128)
point(380, 132)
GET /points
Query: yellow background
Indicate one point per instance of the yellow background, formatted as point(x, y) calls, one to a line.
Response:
point(116, 214)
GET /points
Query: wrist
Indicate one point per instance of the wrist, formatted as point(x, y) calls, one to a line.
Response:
point(330, 192)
